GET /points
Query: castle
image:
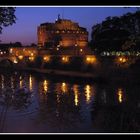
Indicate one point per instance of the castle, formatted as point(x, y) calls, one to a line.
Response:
point(63, 32)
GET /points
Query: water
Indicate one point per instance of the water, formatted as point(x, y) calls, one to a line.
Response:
point(32, 103)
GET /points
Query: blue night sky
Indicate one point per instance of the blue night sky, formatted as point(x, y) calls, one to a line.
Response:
point(28, 18)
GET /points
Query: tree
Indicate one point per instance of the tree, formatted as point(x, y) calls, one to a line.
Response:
point(115, 32)
point(7, 17)
point(17, 44)
point(33, 45)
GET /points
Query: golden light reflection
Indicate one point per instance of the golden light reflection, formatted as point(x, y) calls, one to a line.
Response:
point(58, 98)
point(120, 95)
point(91, 59)
point(88, 93)
point(64, 87)
point(76, 95)
point(30, 83)
point(45, 86)
point(20, 82)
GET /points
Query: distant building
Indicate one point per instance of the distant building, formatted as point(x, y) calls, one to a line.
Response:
point(23, 51)
point(63, 33)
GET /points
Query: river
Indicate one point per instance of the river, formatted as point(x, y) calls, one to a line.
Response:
point(37, 103)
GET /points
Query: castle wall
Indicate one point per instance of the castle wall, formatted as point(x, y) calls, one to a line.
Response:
point(66, 32)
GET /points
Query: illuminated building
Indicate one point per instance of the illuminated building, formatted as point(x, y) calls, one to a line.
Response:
point(62, 33)
point(21, 52)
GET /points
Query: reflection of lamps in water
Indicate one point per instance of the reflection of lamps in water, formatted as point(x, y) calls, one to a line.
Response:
point(120, 95)
point(20, 82)
point(64, 87)
point(88, 93)
point(76, 100)
point(45, 86)
point(30, 83)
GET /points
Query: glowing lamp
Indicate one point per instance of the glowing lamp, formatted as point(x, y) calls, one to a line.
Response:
point(46, 58)
point(65, 59)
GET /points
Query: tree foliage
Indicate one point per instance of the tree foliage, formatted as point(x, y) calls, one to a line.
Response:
point(7, 17)
point(115, 31)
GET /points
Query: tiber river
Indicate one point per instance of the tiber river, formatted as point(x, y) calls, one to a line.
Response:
point(33, 103)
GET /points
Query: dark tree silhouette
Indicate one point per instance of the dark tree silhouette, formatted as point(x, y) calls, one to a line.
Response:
point(7, 17)
point(115, 32)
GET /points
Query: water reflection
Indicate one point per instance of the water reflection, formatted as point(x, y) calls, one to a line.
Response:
point(120, 95)
point(30, 83)
point(76, 94)
point(45, 86)
point(66, 106)
point(88, 93)
point(64, 87)
point(2, 82)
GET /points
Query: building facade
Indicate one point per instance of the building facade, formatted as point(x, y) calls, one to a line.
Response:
point(63, 32)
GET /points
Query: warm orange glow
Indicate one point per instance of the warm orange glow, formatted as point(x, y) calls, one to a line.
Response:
point(32, 54)
point(65, 59)
point(76, 93)
point(26, 52)
point(20, 57)
point(81, 50)
point(91, 59)
point(88, 93)
point(31, 58)
point(15, 61)
point(20, 82)
point(31, 83)
point(46, 58)
point(122, 59)
point(45, 86)
point(120, 95)
point(64, 87)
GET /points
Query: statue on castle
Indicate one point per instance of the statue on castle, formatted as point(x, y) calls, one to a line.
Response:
point(59, 17)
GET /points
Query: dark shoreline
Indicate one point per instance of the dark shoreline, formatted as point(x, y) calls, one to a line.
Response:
point(110, 78)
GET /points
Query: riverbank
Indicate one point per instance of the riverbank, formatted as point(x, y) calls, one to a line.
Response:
point(122, 77)
point(66, 74)
point(103, 76)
